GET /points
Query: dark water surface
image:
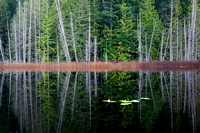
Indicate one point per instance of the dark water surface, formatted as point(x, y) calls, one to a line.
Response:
point(75, 102)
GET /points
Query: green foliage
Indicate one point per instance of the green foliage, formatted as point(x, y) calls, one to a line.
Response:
point(150, 17)
point(4, 16)
point(46, 93)
point(47, 41)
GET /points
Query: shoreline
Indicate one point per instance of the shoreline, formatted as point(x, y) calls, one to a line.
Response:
point(132, 66)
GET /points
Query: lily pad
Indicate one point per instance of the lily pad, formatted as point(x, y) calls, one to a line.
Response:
point(145, 98)
point(109, 101)
point(135, 101)
point(125, 104)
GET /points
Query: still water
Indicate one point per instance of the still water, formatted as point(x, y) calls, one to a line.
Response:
point(75, 102)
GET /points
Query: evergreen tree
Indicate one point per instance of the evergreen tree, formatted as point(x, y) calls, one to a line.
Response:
point(4, 16)
point(150, 21)
point(46, 36)
point(123, 36)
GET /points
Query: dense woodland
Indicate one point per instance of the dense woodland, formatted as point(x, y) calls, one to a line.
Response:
point(94, 30)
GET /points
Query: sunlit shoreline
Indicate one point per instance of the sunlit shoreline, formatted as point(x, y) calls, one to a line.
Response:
point(133, 66)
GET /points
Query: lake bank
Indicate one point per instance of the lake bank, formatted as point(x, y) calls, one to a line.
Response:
point(133, 66)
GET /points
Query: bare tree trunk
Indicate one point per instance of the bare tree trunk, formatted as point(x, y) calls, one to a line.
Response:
point(196, 48)
point(171, 47)
point(181, 46)
point(151, 40)
point(193, 26)
point(73, 39)
point(2, 53)
point(19, 36)
point(189, 40)
point(185, 37)
point(39, 31)
point(36, 57)
point(62, 30)
point(9, 41)
point(146, 48)
point(89, 37)
point(47, 32)
point(95, 49)
point(58, 58)
point(177, 39)
point(15, 32)
point(161, 47)
point(139, 38)
point(106, 58)
point(166, 46)
point(24, 34)
point(29, 41)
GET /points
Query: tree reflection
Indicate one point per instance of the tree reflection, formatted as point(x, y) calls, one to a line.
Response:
point(72, 102)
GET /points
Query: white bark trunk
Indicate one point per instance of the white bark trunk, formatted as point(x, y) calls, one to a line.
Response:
point(185, 38)
point(89, 37)
point(73, 39)
point(58, 58)
point(35, 22)
point(29, 41)
point(151, 40)
point(9, 42)
point(15, 34)
point(2, 53)
point(62, 30)
point(139, 39)
point(19, 35)
point(177, 39)
point(161, 47)
point(171, 47)
point(24, 34)
point(95, 49)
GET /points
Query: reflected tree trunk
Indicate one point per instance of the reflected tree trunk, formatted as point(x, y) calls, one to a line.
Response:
point(171, 107)
point(1, 88)
point(74, 96)
point(161, 82)
point(95, 83)
point(30, 98)
point(140, 92)
point(63, 100)
point(152, 92)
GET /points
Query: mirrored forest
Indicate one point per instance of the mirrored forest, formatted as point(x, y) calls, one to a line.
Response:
point(74, 101)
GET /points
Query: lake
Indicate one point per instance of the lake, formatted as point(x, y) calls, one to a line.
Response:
point(164, 101)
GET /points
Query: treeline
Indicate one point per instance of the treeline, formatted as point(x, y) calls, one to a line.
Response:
point(92, 30)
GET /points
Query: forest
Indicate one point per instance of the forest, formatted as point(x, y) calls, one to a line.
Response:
point(99, 30)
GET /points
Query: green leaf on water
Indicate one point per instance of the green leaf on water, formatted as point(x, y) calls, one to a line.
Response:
point(125, 104)
point(135, 101)
point(109, 101)
point(145, 98)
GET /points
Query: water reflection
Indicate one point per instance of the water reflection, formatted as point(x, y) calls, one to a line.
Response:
point(73, 102)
